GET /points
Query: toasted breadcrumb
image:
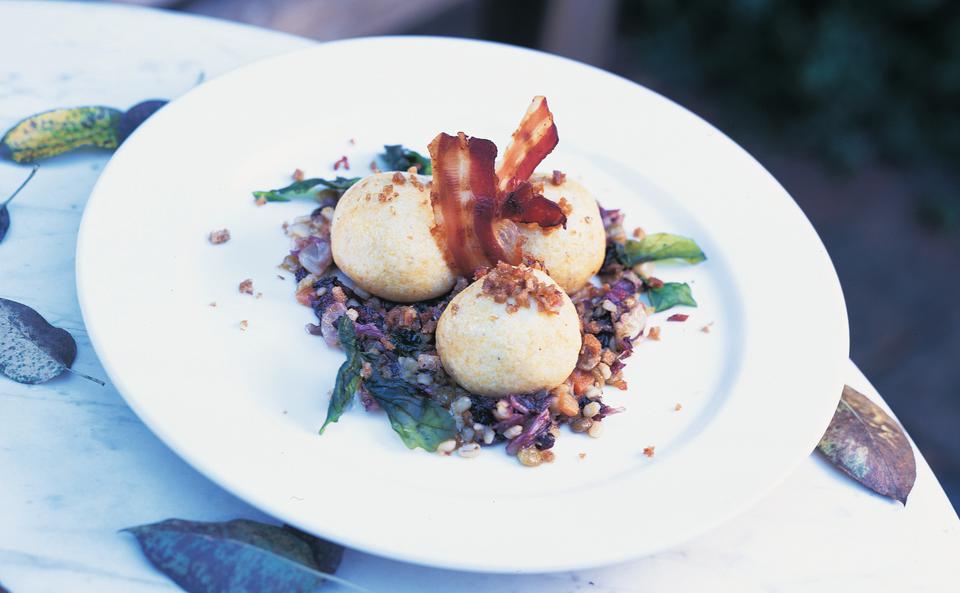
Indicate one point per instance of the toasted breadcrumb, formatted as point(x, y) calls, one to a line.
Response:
point(648, 451)
point(505, 282)
point(566, 207)
point(246, 287)
point(415, 181)
point(558, 177)
point(639, 233)
point(244, 324)
point(677, 407)
point(582, 455)
point(387, 194)
point(654, 333)
point(219, 237)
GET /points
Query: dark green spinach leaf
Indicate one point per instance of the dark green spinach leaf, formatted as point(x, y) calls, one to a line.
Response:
point(670, 295)
point(308, 188)
point(420, 421)
point(658, 247)
point(397, 158)
point(409, 342)
point(348, 377)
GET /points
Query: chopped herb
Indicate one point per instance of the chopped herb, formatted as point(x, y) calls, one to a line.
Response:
point(670, 295)
point(397, 158)
point(420, 421)
point(657, 247)
point(308, 188)
point(348, 377)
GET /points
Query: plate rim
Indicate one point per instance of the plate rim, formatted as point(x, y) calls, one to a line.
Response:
point(385, 550)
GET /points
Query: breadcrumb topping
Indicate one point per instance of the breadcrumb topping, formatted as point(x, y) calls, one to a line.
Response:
point(219, 237)
point(415, 181)
point(517, 286)
point(246, 287)
point(387, 194)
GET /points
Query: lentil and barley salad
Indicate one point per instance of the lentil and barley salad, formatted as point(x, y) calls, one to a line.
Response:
point(537, 346)
point(391, 348)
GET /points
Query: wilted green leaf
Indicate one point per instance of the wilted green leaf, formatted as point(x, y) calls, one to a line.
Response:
point(670, 295)
point(397, 158)
point(348, 376)
point(307, 188)
point(420, 421)
point(658, 247)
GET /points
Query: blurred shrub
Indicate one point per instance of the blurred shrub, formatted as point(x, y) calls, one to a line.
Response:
point(855, 81)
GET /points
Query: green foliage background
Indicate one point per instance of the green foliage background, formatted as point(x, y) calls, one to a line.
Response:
point(855, 81)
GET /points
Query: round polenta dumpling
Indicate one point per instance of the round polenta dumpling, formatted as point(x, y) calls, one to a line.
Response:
point(381, 238)
point(498, 348)
point(574, 254)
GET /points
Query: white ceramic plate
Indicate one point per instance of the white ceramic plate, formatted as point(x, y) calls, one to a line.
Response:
point(243, 407)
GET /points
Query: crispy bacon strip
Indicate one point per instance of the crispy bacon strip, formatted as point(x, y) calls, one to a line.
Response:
point(465, 204)
point(534, 139)
point(477, 207)
point(523, 205)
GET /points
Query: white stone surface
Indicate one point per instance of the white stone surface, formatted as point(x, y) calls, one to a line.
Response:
point(76, 465)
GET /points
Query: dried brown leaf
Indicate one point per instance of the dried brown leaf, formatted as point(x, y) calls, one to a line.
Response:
point(869, 445)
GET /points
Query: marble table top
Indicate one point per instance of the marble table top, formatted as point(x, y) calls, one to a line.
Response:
point(76, 464)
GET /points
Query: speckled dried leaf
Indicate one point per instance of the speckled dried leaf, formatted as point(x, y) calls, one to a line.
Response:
point(869, 445)
point(31, 350)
